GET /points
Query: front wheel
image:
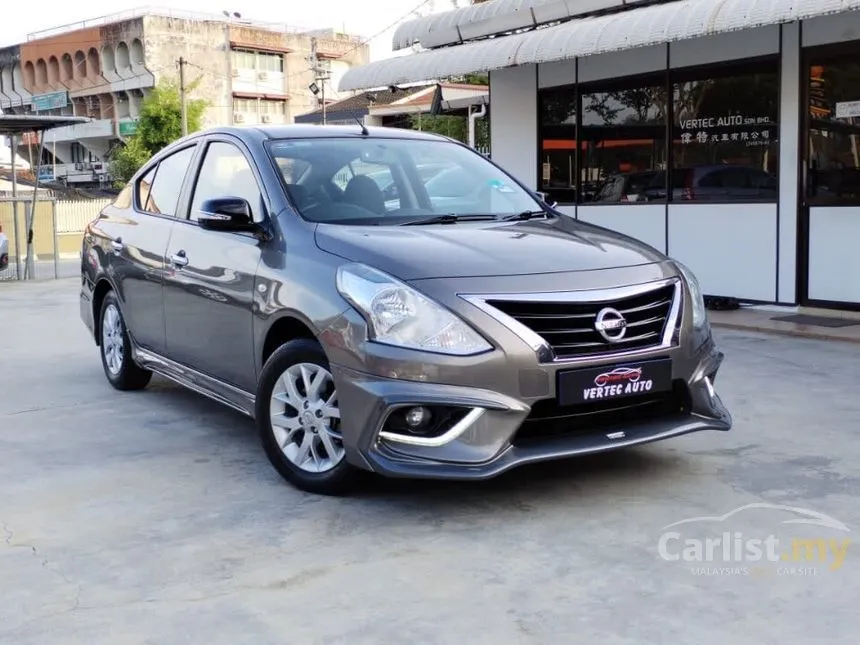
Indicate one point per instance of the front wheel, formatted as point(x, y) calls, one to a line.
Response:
point(120, 369)
point(298, 418)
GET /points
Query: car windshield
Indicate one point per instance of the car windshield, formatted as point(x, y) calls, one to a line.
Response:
point(379, 181)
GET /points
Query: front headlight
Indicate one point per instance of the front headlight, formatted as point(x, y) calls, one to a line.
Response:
point(397, 314)
point(700, 313)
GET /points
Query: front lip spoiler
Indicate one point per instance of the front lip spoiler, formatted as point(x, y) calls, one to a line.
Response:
point(515, 456)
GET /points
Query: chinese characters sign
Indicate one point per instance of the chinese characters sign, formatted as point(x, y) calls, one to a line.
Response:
point(751, 131)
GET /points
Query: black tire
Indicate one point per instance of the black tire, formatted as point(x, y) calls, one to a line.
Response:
point(129, 376)
point(339, 480)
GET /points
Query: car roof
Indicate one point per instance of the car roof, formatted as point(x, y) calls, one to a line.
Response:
point(258, 133)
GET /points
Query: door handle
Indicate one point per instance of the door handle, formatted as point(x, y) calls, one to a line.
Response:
point(179, 260)
point(117, 245)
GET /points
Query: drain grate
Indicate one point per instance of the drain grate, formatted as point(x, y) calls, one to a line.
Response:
point(816, 321)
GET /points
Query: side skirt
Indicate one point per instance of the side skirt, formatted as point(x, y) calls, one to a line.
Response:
point(208, 386)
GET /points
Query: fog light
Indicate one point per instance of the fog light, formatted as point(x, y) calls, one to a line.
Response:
point(418, 417)
point(424, 421)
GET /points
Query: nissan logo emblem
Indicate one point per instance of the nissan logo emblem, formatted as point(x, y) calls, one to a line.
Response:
point(611, 324)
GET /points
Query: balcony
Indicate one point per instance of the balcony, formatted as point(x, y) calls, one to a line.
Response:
point(99, 129)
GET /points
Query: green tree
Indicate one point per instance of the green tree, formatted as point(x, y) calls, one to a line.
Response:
point(454, 126)
point(125, 160)
point(159, 124)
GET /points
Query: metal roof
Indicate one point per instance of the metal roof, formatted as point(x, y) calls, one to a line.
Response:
point(436, 64)
point(651, 25)
point(498, 17)
point(14, 124)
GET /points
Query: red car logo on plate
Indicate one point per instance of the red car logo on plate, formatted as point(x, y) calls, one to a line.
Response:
point(620, 375)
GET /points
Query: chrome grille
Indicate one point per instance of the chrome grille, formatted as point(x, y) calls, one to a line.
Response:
point(569, 328)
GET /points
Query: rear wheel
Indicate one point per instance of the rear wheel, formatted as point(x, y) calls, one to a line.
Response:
point(298, 418)
point(120, 369)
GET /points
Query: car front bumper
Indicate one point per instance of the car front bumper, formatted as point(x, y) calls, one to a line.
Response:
point(497, 432)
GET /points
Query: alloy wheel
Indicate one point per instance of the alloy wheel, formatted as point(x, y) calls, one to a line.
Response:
point(113, 343)
point(306, 418)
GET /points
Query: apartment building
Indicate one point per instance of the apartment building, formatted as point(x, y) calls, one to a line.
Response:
point(248, 72)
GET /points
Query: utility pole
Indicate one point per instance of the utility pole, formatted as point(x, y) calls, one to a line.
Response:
point(321, 75)
point(182, 98)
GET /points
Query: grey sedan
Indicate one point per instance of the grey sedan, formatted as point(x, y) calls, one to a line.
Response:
point(264, 268)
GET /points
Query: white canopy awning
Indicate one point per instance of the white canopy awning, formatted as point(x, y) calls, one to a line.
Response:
point(650, 25)
point(496, 17)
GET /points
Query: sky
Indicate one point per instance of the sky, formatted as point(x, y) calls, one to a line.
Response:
point(365, 19)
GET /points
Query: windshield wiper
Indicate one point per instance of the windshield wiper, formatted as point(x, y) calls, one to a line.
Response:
point(525, 215)
point(449, 218)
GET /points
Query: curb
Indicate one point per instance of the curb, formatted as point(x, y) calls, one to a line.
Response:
point(796, 333)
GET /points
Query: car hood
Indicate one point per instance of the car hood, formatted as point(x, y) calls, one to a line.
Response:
point(484, 249)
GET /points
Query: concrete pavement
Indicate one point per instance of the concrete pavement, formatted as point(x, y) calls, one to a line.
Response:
point(153, 517)
point(823, 325)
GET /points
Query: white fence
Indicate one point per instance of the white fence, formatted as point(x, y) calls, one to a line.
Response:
point(73, 216)
point(57, 234)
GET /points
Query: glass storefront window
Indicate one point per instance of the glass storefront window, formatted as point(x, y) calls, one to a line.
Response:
point(725, 134)
point(724, 129)
point(557, 119)
point(623, 141)
point(833, 153)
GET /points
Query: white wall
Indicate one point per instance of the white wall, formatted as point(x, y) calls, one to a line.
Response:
point(789, 158)
point(831, 29)
point(725, 47)
point(557, 74)
point(643, 222)
point(623, 63)
point(730, 247)
point(513, 124)
point(834, 263)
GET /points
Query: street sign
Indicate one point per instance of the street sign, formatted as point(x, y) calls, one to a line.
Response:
point(127, 128)
point(50, 101)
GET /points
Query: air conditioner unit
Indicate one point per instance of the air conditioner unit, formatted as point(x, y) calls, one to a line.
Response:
point(238, 117)
point(263, 76)
point(267, 118)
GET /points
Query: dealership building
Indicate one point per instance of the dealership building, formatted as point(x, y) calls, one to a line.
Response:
point(725, 133)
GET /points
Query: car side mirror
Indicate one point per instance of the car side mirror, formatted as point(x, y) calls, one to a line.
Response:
point(544, 197)
point(232, 214)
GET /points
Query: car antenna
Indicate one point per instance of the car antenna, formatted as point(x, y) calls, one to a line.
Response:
point(360, 123)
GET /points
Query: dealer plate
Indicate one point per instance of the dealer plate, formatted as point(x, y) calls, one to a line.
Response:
point(612, 382)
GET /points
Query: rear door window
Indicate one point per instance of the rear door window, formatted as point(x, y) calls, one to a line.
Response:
point(159, 189)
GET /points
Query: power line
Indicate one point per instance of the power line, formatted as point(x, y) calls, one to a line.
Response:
point(421, 5)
